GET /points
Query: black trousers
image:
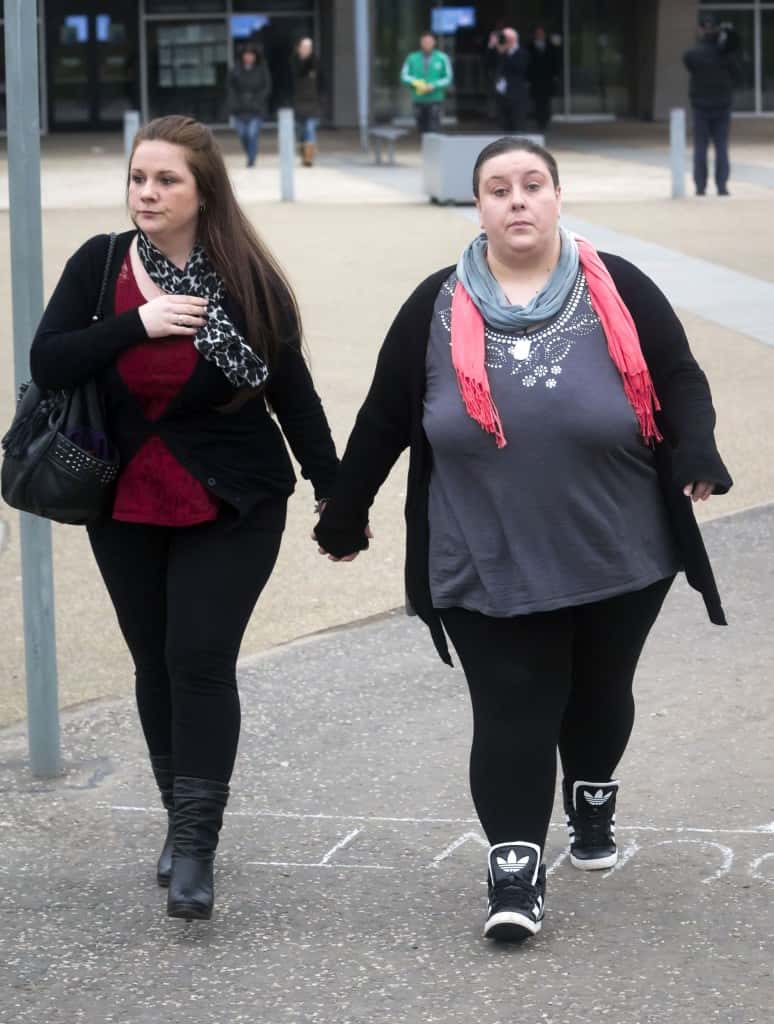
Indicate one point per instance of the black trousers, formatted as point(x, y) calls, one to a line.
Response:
point(542, 101)
point(537, 682)
point(512, 112)
point(711, 125)
point(183, 597)
point(428, 117)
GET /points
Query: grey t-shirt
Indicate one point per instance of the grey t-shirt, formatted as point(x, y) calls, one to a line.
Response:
point(570, 511)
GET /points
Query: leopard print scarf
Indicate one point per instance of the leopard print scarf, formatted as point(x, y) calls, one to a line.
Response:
point(218, 340)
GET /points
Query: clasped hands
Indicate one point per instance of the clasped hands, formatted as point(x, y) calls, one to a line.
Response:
point(422, 86)
point(342, 558)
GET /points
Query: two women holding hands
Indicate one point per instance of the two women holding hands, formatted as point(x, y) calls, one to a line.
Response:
point(559, 429)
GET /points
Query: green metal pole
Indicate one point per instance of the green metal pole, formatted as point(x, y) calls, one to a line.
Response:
point(23, 120)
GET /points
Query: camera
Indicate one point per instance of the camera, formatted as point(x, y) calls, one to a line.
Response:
point(501, 39)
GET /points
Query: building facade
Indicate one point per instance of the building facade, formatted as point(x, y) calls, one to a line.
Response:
point(99, 58)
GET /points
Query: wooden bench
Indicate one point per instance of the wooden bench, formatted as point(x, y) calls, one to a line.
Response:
point(389, 136)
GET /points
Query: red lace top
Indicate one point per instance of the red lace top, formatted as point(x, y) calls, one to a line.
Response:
point(154, 487)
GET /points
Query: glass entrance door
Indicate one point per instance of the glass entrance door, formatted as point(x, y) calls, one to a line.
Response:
point(276, 35)
point(91, 48)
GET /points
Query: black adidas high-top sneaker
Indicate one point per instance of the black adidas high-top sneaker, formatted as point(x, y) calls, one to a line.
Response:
point(517, 892)
point(590, 810)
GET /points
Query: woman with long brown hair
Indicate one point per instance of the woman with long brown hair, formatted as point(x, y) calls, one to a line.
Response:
point(204, 337)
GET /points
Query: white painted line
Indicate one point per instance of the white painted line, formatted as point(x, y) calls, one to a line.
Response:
point(756, 830)
point(474, 836)
point(339, 846)
point(558, 862)
point(626, 855)
point(728, 855)
point(755, 868)
point(298, 864)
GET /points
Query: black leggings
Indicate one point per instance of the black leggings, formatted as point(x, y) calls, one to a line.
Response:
point(537, 682)
point(183, 597)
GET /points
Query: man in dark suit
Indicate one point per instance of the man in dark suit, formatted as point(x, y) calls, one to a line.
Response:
point(543, 75)
point(511, 64)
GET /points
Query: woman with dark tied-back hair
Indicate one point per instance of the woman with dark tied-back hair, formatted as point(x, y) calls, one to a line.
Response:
point(559, 430)
point(201, 336)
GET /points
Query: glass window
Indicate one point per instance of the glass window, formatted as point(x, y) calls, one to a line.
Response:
point(184, 6)
point(276, 35)
point(600, 34)
point(398, 24)
point(767, 54)
point(187, 69)
point(274, 6)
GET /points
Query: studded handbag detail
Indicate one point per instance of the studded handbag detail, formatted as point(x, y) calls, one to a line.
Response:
point(58, 460)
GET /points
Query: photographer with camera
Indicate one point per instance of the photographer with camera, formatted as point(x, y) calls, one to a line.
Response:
point(509, 62)
point(715, 69)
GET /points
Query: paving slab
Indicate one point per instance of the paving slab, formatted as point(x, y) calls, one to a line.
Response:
point(350, 875)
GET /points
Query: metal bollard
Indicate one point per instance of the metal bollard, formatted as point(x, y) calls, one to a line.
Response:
point(131, 127)
point(287, 153)
point(677, 151)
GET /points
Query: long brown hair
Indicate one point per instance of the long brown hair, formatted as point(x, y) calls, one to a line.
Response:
point(236, 252)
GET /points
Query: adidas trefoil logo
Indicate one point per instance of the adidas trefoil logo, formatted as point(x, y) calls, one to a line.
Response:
point(513, 863)
point(598, 798)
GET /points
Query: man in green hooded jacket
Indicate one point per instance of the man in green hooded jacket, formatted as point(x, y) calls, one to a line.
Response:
point(428, 73)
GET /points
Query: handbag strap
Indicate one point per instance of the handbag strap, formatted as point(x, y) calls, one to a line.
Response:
point(105, 275)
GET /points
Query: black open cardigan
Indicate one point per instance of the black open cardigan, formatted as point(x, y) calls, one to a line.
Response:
point(237, 454)
point(391, 420)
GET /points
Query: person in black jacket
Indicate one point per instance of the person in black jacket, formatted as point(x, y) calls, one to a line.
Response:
point(543, 73)
point(249, 87)
point(510, 63)
point(307, 97)
point(559, 430)
point(715, 70)
point(203, 341)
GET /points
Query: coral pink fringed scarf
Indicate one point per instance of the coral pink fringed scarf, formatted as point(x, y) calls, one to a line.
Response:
point(468, 349)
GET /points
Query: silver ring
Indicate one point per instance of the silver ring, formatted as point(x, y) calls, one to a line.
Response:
point(179, 321)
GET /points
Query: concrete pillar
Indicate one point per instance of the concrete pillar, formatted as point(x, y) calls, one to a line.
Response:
point(344, 112)
point(675, 33)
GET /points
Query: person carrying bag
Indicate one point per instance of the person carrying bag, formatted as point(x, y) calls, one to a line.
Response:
point(58, 460)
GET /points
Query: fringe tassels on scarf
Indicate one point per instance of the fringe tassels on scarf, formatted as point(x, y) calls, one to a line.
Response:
point(468, 359)
point(468, 345)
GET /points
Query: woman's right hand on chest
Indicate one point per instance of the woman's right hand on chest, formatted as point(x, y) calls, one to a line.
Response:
point(173, 315)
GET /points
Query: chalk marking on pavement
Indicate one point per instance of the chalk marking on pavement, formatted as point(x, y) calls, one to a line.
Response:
point(339, 846)
point(626, 855)
point(460, 841)
point(767, 829)
point(755, 868)
point(303, 864)
point(558, 862)
point(728, 855)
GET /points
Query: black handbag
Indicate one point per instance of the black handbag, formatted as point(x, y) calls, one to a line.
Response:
point(58, 460)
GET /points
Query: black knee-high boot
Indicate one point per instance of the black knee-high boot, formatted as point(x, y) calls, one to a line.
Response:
point(198, 816)
point(165, 776)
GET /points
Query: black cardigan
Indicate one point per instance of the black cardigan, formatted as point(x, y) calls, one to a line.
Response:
point(240, 456)
point(391, 420)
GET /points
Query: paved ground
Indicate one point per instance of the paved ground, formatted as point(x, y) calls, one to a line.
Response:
point(350, 877)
